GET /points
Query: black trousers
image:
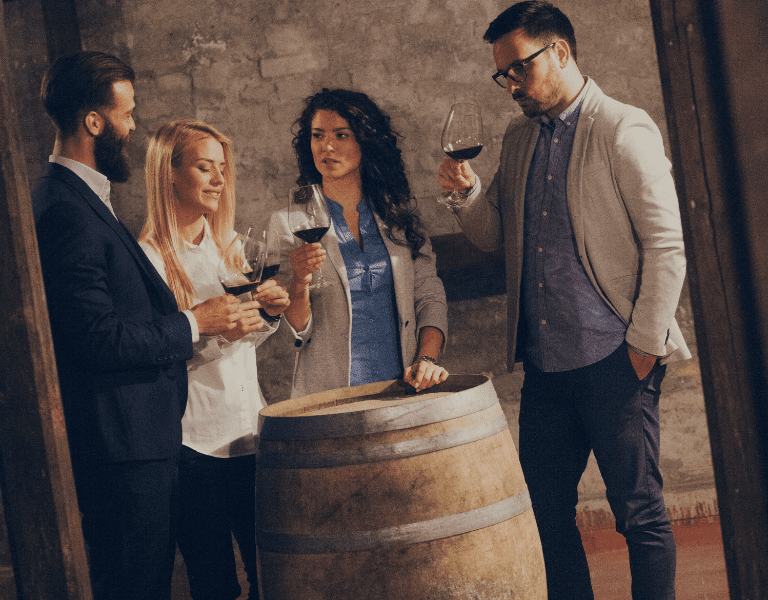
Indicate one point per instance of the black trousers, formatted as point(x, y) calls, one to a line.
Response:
point(128, 515)
point(217, 499)
point(602, 408)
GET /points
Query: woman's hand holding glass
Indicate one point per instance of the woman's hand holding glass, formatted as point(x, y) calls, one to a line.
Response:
point(247, 320)
point(305, 260)
point(272, 297)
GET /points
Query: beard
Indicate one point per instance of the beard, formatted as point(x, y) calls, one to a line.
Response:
point(109, 152)
point(548, 96)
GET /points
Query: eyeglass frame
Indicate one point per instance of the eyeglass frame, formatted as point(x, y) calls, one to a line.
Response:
point(516, 64)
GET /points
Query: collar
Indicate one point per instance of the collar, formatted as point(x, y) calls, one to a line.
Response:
point(205, 242)
point(572, 108)
point(98, 182)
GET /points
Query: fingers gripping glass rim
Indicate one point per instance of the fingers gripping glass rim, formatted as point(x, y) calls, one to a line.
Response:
point(516, 71)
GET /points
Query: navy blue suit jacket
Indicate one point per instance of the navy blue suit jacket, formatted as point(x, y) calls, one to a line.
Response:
point(119, 339)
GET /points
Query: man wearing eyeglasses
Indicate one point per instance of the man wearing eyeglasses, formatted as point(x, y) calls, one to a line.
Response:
point(585, 207)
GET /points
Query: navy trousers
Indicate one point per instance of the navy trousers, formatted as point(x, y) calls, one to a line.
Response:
point(606, 409)
point(128, 515)
point(217, 499)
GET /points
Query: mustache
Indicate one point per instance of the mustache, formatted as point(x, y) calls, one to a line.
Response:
point(517, 95)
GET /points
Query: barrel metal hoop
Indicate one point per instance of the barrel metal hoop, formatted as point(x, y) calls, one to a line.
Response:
point(387, 418)
point(382, 452)
point(411, 533)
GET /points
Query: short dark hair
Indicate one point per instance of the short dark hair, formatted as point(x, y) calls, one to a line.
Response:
point(78, 83)
point(538, 19)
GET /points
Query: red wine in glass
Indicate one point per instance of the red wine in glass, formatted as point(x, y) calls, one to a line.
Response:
point(240, 269)
point(462, 140)
point(309, 220)
point(270, 271)
point(465, 153)
point(272, 260)
point(311, 235)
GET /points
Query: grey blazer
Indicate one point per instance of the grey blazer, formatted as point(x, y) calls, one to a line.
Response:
point(625, 214)
point(323, 350)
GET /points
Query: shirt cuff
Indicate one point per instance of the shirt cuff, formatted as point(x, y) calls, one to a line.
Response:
point(193, 325)
point(472, 193)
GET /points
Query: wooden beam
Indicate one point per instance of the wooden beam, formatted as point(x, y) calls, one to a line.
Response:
point(38, 492)
point(62, 31)
point(711, 90)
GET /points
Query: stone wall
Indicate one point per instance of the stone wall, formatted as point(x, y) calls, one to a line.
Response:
point(245, 66)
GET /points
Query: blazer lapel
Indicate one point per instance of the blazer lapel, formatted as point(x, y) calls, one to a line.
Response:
point(576, 165)
point(331, 245)
point(400, 258)
point(101, 210)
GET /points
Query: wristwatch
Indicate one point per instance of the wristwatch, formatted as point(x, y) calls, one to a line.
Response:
point(267, 317)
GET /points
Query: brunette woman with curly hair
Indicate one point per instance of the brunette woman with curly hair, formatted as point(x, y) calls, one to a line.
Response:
point(386, 316)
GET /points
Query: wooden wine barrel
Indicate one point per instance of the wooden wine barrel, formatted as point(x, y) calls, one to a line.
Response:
point(374, 492)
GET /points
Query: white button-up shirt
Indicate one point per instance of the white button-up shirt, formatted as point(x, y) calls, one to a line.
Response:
point(224, 395)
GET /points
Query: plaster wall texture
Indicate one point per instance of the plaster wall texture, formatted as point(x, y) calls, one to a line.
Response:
point(245, 66)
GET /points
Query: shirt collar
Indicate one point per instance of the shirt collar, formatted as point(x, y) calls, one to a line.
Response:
point(98, 182)
point(573, 107)
point(205, 242)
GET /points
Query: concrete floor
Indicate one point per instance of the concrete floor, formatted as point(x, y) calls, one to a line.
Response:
point(700, 564)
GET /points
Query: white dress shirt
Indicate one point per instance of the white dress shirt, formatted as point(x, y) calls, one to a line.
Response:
point(98, 182)
point(224, 400)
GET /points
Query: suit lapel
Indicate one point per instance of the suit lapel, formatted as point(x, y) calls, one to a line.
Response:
point(102, 212)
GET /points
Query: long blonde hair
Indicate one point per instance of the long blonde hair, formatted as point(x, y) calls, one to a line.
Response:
point(165, 152)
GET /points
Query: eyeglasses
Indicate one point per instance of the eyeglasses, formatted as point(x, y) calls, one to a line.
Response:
point(516, 71)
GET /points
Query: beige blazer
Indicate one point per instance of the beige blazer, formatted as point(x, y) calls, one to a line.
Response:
point(323, 351)
point(625, 214)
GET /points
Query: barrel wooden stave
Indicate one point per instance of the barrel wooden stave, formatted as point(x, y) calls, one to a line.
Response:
point(499, 561)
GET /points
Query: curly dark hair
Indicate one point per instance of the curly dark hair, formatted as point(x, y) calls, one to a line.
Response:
point(381, 168)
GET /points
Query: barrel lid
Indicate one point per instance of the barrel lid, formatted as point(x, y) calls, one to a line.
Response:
point(376, 407)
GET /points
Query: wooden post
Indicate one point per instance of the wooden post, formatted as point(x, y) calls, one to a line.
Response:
point(715, 85)
point(39, 498)
point(62, 32)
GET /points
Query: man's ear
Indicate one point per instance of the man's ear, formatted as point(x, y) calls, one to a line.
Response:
point(563, 52)
point(93, 123)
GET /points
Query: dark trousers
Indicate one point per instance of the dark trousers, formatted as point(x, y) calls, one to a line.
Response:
point(602, 408)
point(128, 514)
point(217, 498)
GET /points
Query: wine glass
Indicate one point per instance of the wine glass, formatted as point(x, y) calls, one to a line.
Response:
point(272, 254)
point(462, 140)
point(308, 219)
point(240, 269)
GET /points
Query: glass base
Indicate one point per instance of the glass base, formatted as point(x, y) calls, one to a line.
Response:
point(452, 199)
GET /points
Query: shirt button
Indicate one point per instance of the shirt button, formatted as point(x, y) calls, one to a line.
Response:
point(544, 213)
point(541, 285)
point(556, 140)
point(549, 177)
point(541, 249)
point(543, 321)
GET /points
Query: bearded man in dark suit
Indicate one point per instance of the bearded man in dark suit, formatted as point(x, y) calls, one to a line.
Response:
point(119, 339)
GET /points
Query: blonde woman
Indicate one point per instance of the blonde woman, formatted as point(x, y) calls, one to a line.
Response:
point(191, 206)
